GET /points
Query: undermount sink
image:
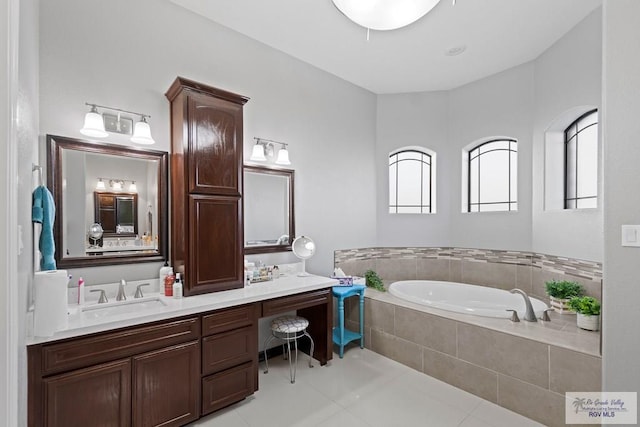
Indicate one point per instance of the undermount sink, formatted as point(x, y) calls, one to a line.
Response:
point(122, 307)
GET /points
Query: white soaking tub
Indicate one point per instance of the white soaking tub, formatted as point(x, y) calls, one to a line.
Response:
point(464, 298)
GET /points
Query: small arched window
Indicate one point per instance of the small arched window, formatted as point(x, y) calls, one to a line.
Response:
point(411, 181)
point(493, 176)
point(581, 162)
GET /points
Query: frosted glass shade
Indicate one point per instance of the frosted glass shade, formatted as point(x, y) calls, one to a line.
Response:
point(283, 157)
point(100, 185)
point(257, 155)
point(93, 125)
point(133, 188)
point(142, 133)
point(385, 14)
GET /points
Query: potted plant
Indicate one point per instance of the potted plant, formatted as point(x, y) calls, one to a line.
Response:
point(374, 281)
point(560, 292)
point(588, 309)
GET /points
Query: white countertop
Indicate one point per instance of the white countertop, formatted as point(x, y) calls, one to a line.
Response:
point(80, 324)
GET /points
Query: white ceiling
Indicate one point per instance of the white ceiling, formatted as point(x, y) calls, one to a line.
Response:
point(498, 34)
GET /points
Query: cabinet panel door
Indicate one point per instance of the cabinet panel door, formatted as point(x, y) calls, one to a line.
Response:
point(228, 349)
point(215, 145)
point(165, 388)
point(216, 250)
point(97, 396)
point(227, 387)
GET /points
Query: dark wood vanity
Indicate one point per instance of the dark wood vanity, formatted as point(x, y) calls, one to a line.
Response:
point(206, 186)
point(167, 373)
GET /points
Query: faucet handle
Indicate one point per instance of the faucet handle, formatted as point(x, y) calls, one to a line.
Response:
point(545, 315)
point(139, 290)
point(514, 316)
point(103, 296)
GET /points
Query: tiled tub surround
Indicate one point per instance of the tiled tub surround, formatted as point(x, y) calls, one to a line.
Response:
point(499, 269)
point(525, 367)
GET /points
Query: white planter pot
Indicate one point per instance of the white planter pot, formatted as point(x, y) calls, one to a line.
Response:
point(560, 305)
point(590, 323)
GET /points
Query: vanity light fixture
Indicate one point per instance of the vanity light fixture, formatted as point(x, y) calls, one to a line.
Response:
point(267, 146)
point(116, 185)
point(96, 125)
point(385, 15)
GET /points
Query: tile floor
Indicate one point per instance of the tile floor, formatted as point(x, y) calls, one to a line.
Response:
point(363, 389)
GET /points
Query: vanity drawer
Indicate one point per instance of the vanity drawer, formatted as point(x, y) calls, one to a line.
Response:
point(82, 352)
point(295, 302)
point(229, 349)
point(227, 387)
point(228, 319)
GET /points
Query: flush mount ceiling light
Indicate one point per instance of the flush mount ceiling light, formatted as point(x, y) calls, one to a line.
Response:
point(384, 15)
point(267, 146)
point(96, 125)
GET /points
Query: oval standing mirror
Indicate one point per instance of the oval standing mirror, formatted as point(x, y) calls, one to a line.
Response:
point(117, 190)
point(268, 209)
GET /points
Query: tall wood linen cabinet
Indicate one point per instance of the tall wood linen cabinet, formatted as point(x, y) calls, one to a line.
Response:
point(206, 186)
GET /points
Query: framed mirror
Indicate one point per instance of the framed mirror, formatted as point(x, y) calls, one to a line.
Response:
point(123, 189)
point(269, 224)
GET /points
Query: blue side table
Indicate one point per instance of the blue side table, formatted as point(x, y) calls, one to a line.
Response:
point(341, 335)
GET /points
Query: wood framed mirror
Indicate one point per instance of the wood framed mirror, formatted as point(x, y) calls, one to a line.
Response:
point(124, 189)
point(269, 223)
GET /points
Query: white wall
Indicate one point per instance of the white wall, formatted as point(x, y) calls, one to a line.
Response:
point(621, 127)
point(568, 82)
point(415, 119)
point(499, 105)
point(126, 54)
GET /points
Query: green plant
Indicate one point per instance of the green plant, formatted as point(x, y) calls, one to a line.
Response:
point(563, 289)
point(373, 280)
point(588, 306)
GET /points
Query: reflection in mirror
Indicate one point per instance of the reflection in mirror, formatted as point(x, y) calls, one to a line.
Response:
point(88, 181)
point(268, 209)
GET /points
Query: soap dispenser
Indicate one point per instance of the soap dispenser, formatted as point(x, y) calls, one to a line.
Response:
point(177, 287)
point(164, 272)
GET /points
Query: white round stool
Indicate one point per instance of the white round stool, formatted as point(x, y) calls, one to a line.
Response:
point(289, 328)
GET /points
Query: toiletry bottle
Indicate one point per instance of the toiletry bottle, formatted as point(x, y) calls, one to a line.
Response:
point(80, 291)
point(177, 287)
point(164, 272)
point(169, 279)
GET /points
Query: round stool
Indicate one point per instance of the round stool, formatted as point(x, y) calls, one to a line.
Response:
point(289, 328)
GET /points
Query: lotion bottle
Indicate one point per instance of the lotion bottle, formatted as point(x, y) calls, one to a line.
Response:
point(177, 287)
point(164, 272)
point(80, 291)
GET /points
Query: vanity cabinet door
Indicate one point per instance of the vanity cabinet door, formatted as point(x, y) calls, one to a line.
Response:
point(95, 396)
point(165, 386)
point(215, 145)
point(215, 250)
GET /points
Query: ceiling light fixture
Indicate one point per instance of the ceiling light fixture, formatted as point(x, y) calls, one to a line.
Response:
point(96, 125)
point(266, 146)
point(384, 15)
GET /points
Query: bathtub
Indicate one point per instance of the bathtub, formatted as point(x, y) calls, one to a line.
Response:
point(464, 298)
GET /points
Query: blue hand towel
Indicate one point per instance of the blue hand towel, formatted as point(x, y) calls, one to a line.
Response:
point(44, 211)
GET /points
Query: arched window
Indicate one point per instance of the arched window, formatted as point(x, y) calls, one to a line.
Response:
point(411, 181)
point(581, 162)
point(493, 176)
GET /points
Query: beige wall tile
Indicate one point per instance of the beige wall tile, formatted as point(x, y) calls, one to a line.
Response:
point(396, 269)
point(379, 315)
point(357, 267)
point(534, 402)
point(573, 371)
point(518, 357)
point(474, 379)
point(455, 270)
point(426, 329)
point(523, 278)
point(432, 269)
point(405, 352)
point(491, 274)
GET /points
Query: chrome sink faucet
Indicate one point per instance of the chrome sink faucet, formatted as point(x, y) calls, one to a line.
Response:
point(121, 295)
point(529, 315)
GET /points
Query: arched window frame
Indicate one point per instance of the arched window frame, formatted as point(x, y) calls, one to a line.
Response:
point(475, 152)
point(428, 166)
point(572, 200)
